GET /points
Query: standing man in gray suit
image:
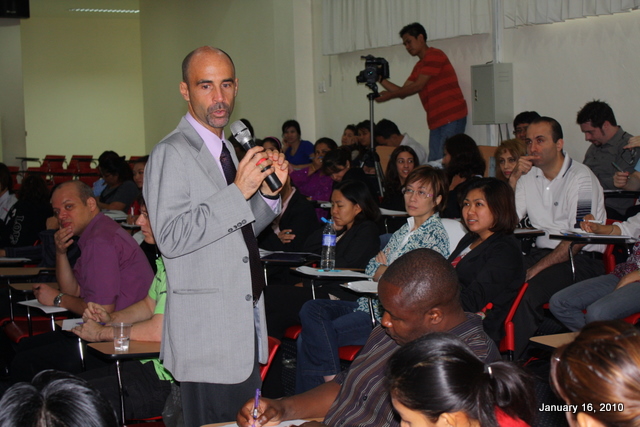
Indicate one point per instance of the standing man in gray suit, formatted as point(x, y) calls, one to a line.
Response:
point(204, 214)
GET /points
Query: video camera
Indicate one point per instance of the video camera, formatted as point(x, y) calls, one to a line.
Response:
point(375, 70)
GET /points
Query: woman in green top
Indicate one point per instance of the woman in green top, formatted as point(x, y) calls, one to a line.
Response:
point(146, 384)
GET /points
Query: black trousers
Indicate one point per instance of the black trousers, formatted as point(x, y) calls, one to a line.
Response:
point(541, 287)
point(206, 403)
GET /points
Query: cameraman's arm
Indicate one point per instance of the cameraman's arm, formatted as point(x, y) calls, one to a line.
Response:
point(409, 88)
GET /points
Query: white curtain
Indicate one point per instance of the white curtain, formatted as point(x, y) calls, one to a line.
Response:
point(530, 12)
point(351, 25)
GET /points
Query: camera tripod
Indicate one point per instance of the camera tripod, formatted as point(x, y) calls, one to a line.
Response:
point(379, 174)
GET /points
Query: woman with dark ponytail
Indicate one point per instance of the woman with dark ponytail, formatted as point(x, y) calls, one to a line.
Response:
point(437, 380)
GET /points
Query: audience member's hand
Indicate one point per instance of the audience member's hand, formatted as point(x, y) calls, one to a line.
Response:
point(634, 276)
point(589, 226)
point(269, 411)
point(531, 272)
point(279, 166)
point(620, 179)
point(286, 236)
point(44, 293)
point(633, 142)
point(381, 258)
point(524, 165)
point(96, 312)
point(63, 239)
point(91, 331)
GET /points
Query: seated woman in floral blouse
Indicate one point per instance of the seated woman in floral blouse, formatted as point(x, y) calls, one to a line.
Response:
point(329, 324)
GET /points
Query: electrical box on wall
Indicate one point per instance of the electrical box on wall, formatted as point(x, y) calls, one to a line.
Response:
point(492, 94)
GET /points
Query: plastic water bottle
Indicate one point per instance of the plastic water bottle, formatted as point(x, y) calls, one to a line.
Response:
point(328, 261)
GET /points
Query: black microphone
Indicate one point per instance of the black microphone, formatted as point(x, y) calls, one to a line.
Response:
point(243, 136)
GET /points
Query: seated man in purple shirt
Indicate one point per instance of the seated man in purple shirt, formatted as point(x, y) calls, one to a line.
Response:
point(418, 300)
point(112, 271)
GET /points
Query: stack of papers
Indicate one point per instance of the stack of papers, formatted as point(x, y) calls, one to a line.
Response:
point(363, 286)
point(578, 232)
point(47, 309)
point(333, 273)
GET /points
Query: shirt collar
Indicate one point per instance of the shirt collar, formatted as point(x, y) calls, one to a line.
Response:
point(211, 140)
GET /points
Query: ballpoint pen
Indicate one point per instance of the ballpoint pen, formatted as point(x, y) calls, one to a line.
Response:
point(256, 403)
point(615, 165)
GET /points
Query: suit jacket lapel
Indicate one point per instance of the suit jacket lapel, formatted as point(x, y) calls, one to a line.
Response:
point(202, 154)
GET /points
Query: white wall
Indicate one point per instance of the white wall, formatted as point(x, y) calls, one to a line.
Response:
point(557, 69)
point(82, 86)
point(258, 35)
point(12, 128)
point(95, 84)
point(560, 67)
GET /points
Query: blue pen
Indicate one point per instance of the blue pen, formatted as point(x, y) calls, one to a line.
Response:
point(256, 403)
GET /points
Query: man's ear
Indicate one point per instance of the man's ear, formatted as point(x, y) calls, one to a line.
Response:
point(92, 203)
point(560, 144)
point(184, 91)
point(433, 316)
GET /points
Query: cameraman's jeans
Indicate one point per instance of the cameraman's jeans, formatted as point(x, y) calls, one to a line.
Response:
point(326, 326)
point(438, 136)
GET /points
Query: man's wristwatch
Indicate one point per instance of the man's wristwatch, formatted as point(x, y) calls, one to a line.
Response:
point(57, 300)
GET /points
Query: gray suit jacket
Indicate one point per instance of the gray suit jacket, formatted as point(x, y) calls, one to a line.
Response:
point(209, 322)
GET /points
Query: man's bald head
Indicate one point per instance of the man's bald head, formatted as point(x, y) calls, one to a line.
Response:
point(186, 62)
point(83, 191)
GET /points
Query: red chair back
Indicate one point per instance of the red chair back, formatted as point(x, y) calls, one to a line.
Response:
point(633, 319)
point(80, 163)
point(508, 342)
point(18, 328)
point(274, 344)
point(51, 162)
point(608, 258)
